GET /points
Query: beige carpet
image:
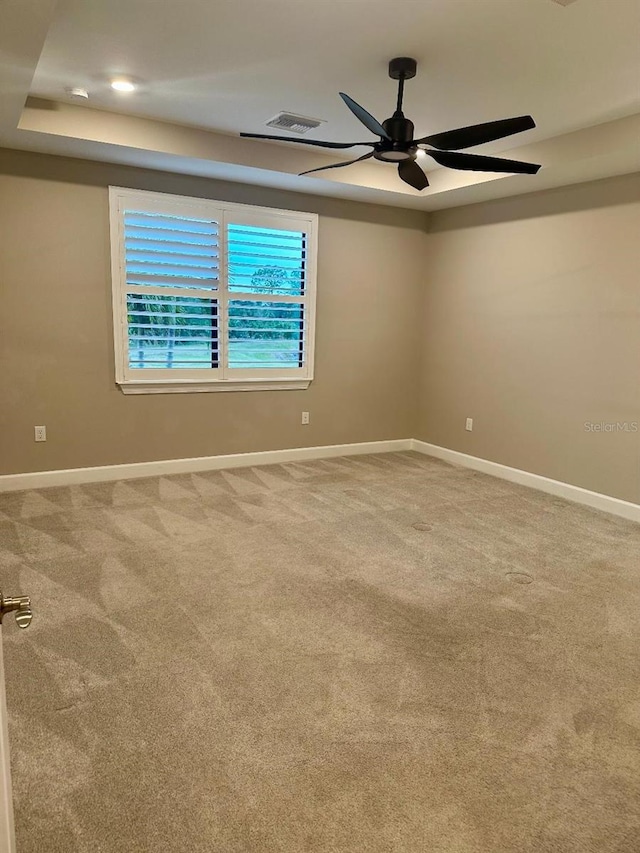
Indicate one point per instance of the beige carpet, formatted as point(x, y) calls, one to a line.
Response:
point(279, 659)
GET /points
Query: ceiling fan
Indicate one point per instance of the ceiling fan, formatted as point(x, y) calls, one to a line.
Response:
point(397, 145)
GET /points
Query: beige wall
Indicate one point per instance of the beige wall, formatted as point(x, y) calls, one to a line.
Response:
point(531, 325)
point(56, 336)
point(523, 314)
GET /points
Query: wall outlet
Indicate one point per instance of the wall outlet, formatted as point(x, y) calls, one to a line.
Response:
point(40, 433)
point(469, 424)
point(305, 417)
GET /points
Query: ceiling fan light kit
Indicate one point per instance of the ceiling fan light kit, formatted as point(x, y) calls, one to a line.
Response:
point(396, 143)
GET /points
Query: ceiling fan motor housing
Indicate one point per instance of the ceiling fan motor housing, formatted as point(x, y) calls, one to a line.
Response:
point(401, 130)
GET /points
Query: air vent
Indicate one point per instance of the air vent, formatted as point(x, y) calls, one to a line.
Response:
point(563, 2)
point(294, 123)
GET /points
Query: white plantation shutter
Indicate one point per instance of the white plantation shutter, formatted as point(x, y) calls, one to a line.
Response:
point(213, 293)
point(172, 272)
point(267, 284)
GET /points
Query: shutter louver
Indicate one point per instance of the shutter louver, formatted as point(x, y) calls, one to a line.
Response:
point(170, 251)
point(265, 334)
point(172, 331)
point(266, 260)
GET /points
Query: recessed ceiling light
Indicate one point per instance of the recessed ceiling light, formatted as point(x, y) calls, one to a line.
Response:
point(123, 85)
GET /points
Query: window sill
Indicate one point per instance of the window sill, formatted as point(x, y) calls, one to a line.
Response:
point(186, 387)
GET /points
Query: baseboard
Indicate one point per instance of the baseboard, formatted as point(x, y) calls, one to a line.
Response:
point(133, 470)
point(615, 506)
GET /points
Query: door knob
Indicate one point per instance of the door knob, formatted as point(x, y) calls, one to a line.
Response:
point(20, 605)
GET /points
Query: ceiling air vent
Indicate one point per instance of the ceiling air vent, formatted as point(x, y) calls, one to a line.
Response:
point(294, 123)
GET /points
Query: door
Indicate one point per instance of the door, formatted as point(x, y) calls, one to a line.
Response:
point(22, 608)
point(7, 839)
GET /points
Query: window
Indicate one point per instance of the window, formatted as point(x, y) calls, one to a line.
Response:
point(210, 296)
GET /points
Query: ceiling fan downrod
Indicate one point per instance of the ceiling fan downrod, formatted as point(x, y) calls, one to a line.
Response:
point(402, 68)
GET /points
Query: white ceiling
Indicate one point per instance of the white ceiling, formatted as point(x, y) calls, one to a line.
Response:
point(231, 65)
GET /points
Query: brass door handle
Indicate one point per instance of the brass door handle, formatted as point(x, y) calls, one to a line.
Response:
point(20, 605)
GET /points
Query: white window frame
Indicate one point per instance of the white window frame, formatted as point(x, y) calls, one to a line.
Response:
point(222, 378)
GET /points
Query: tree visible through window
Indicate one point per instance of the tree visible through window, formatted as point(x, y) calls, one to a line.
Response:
point(172, 332)
point(269, 334)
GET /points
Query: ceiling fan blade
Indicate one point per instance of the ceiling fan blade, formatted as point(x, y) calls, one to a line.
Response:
point(480, 163)
point(339, 165)
point(366, 118)
point(412, 174)
point(477, 134)
point(318, 142)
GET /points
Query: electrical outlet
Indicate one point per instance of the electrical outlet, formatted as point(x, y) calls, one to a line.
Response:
point(305, 417)
point(469, 425)
point(40, 433)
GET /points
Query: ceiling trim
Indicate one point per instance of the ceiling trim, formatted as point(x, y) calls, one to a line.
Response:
point(60, 128)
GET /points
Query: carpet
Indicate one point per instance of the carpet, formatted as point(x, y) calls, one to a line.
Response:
point(374, 654)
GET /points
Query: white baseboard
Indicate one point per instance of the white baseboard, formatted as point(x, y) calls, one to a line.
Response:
point(103, 473)
point(615, 506)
